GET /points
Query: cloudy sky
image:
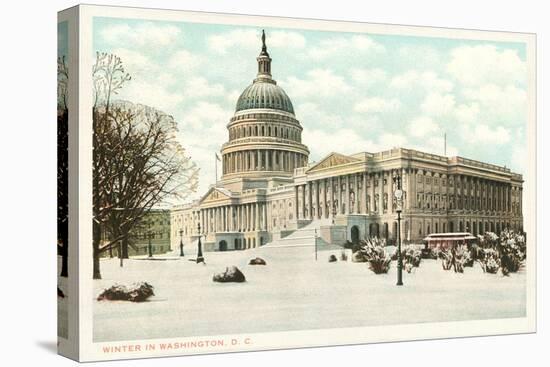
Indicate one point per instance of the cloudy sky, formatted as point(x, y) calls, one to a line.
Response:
point(351, 92)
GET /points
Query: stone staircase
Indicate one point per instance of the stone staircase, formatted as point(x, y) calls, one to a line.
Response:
point(306, 236)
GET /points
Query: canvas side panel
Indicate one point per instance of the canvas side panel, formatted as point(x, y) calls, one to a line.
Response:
point(67, 184)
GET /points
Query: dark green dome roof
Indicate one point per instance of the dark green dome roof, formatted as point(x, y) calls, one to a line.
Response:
point(264, 94)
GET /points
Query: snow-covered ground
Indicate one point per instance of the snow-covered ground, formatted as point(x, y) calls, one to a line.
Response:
point(62, 312)
point(294, 292)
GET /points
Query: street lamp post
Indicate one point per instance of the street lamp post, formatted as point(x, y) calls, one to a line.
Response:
point(200, 259)
point(150, 246)
point(181, 243)
point(399, 201)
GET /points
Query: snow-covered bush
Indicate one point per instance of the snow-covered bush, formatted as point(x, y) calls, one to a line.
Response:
point(462, 258)
point(456, 257)
point(411, 255)
point(512, 249)
point(446, 257)
point(507, 252)
point(373, 250)
point(489, 260)
point(488, 240)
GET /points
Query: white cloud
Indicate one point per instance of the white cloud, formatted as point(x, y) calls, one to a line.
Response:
point(203, 131)
point(344, 45)
point(423, 126)
point(135, 62)
point(368, 77)
point(233, 96)
point(344, 141)
point(144, 34)
point(484, 134)
point(414, 80)
point(435, 145)
point(422, 57)
point(207, 116)
point(313, 114)
point(251, 39)
point(436, 104)
point(184, 60)
point(318, 82)
point(503, 104)
point(467, 113)
point(376, 105)
point(485, 64)
point(197, 87)
point(391, 140)
point(151, 94)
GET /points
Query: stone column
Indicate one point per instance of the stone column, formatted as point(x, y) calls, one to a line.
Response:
point(346, 195)
point(310, 200)
point(241, 217)
point(339, 195)
point(265, 216)
point(256, 209)
point(303, 201)
point(317, 211)
point(373, 191)
point(325, 214)
point(391, 184)
point(296, 201)
point(381, 193)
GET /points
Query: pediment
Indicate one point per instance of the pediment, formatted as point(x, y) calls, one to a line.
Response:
point(333, 160)
point(216, 194)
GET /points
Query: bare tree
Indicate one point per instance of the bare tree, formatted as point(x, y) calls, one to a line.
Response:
point(62, 164)
point(138, 161)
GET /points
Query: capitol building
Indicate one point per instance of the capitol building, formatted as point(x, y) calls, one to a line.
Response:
point(271, 194)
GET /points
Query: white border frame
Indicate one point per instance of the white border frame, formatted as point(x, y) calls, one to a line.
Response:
point(89, 351)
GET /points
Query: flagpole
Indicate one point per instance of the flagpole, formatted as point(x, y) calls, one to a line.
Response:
point(216, 167)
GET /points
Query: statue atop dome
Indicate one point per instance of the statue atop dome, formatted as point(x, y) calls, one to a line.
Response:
point(264, 63)
point(264, 47)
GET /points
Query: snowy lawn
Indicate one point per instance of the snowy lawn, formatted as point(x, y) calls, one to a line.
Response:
point(62, 304)
point(294, 292)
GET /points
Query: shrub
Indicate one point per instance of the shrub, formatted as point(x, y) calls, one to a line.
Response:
point(489, 260)
point(462, 258)
point(507, 252)
point(512, 249)
point(374, 253)
point(411, 255)
point(456, 257)
point(447, 258)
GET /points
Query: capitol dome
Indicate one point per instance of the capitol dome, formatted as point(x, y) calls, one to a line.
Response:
point(265, 138)
point(264, 94)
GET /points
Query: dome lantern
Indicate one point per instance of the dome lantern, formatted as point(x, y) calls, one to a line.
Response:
point(264, 63)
